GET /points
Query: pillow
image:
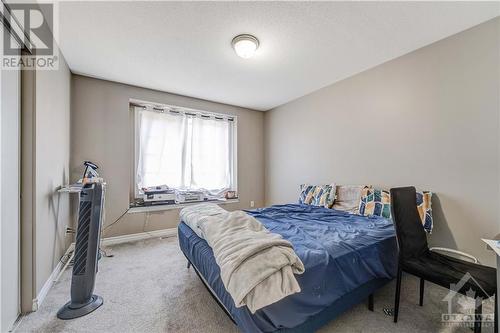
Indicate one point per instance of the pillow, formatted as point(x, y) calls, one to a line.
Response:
point(305, 195)
point(317, 195)
point(378, 202)
point(347, 198)
point(424, 203)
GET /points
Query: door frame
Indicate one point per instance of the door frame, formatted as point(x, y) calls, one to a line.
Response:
point(27, 271)
point(28, 190)
point(10, 200)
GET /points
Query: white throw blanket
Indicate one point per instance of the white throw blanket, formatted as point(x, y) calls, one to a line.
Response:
point(257, 266)
point(195, 215)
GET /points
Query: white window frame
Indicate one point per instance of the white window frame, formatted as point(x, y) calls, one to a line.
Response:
point(134, 104)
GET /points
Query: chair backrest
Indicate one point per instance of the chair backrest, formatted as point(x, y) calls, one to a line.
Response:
point(411, 236)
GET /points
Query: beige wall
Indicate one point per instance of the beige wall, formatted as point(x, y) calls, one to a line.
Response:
point(429, 118)
point(51, 161)
point(101, 131)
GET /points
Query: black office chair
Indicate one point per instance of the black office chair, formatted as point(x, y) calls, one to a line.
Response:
point(416, 258)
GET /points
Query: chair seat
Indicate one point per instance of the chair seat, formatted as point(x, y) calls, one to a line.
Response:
point(445, 271)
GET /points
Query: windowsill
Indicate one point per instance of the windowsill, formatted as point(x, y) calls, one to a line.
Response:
point(159, 208)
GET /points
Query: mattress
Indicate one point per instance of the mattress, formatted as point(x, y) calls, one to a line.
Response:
point(342, 254)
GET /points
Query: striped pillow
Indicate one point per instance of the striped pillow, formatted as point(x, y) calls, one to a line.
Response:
point(317, 195)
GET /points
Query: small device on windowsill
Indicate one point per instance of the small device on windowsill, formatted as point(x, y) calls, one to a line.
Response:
point(158, 195)
point(164, 195)
point(189, 196)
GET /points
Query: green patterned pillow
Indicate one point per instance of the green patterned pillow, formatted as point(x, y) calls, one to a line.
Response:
point(376, 202)
point(424, 207)
point(317, 195)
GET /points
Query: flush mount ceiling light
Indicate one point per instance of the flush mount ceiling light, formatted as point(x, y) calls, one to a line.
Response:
point(245, 45)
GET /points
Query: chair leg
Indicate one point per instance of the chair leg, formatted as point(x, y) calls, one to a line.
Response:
point(188, 265)
point(370, 302)
point(478, 315)
point(422, 283)
point(398, 293)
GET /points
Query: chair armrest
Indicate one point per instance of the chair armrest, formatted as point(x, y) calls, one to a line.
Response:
point(463, 254)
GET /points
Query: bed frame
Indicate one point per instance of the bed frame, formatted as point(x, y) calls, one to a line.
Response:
point(210, 290)
point(338, 307)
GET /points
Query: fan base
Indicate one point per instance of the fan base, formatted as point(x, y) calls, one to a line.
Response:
point(69, 311)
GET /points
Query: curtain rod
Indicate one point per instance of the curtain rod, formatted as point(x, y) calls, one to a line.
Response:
point(200, 113)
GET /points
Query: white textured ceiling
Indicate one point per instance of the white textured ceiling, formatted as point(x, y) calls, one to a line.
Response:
point(184, 47)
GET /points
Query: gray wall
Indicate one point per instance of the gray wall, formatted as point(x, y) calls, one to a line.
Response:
point(429, 118)
point(52, 143)
point(101, 131)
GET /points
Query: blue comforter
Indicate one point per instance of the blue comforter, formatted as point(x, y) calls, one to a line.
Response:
point(340, 252)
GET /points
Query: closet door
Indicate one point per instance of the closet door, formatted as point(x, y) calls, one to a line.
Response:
point(10, 93)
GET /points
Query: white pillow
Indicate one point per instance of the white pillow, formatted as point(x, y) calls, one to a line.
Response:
point(348, 197)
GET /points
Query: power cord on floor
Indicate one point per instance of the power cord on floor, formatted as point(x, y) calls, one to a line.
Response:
point(101, 250)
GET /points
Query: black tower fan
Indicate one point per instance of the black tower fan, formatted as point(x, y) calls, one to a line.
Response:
point(83, 301)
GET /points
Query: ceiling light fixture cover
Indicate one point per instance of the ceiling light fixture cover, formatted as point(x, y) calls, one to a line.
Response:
point(245, 45)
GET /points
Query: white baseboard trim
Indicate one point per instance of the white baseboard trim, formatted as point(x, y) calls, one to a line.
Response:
point(37, 302)
point(50, 281)
point(139, 236)
point(16, 324)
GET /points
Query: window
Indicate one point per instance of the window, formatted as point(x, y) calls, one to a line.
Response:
point(185, 149)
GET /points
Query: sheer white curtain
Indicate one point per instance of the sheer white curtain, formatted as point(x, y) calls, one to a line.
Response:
point(184, 151)
point(210, 154)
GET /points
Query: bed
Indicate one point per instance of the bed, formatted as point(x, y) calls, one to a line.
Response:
point(346, 257)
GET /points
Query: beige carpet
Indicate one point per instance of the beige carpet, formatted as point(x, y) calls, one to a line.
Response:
point(147, 288)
